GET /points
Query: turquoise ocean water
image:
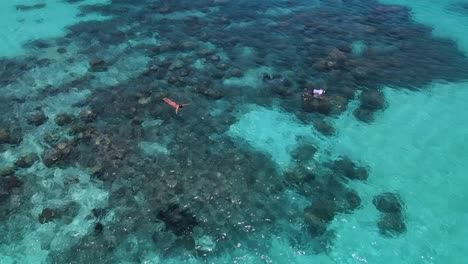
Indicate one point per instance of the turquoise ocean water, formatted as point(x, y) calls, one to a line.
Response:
point(96, 168)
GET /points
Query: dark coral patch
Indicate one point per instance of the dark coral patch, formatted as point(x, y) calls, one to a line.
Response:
point(30, 7)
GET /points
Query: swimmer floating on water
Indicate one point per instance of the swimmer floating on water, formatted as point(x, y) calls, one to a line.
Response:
point(318, 92)
point(174, 104)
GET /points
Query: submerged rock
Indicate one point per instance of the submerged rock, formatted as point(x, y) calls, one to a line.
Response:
point(214, 58)
point(62, 50)
point(81, 130)
point(314, 225)
point(47, 215)
point(11, 182)
point(335, 59)
point(98, 212)
point(388, 203)
point(205, 52)
point(222, 66)
point(183, 73)
point(360, 73)
point(70, 181)
point(69, 211)
point(324, 127)
point(98, 65)
point(205, 244)
point(324, 65)
point(352, 200)
point(50, 157)
point(319, 105)
point(236, 73)
point(324, 210)
point(152, 70)
point(336, 55)
point(304, 153)
point(52, 138)
point(4, 136)
point(211, 93)
point(144, 99)
point(188, 45)
point(391, 224)
point(390, 9)
point(39, 44)
point(347, 92)
point(177, 64)
point(65, 213)
point(26, 160)
point(163, 240)
point(59, 153)
point(30, 7)
point(180, 221)
point(346, 48)
point(217, 75)
point(372, 100)
point(186, 242)
point(338, 103)
point(98, 227)
point(165, 10)
point(7, 186)
point(64, 119)
point(348, 169)
point(88, 116)
point(299, 176)
point(37, 119)
point(282, 90)
point(7, 171)
point(318, 215)
point(363, 114)
point(172, 79)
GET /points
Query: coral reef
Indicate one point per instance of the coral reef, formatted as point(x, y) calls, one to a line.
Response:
point(178, 184)
point(391, 222)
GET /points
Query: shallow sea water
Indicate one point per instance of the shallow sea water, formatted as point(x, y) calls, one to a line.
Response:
point(96, 168)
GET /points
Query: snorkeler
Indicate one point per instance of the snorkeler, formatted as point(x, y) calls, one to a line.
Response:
point(318, 92)
point(174, 104)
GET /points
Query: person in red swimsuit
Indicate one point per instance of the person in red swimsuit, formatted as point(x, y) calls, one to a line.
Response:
point(174, 104)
